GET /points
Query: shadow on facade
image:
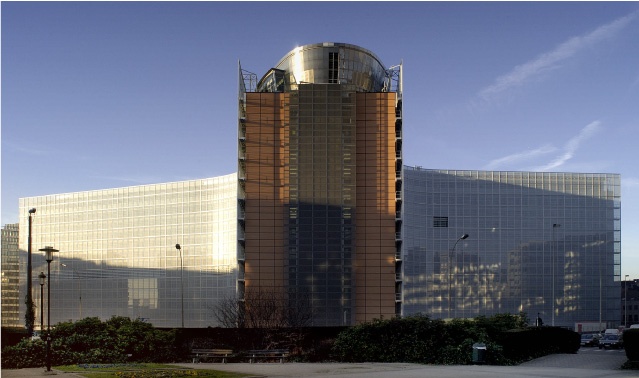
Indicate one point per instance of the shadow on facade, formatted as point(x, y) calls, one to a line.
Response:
point(531, 250)
point(104, 290)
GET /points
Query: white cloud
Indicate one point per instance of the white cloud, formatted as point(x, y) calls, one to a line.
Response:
point(135, 180)
point(552, 60)
point(571, 147)
point(25, 148)
point(519, 157)
point(566, 153)
point(632, 182)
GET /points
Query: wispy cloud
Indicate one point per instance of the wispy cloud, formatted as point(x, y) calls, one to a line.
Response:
point(565, 154)
point(25, 148)
point(136, 180)
point(631, 182)
point(519, 157)
point(571, 147)
point(553, 59)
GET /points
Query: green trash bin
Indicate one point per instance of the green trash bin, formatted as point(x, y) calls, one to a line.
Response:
point(479, 353)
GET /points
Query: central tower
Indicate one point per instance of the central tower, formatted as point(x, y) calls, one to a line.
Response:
point(319, 170)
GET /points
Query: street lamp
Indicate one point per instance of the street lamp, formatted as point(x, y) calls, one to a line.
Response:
point(29, 315)
point(450, 253)
point(42, 277)
point(552, 267)
point(179, 248)
point(49, 257)
point(625, 301)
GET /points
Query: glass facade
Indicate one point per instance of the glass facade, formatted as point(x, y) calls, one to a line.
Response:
point(539, 243)
point(319, 167)
point(328, 63)
point(10, 276)
point(118, 252)
point(322, 209)
point(322, 199)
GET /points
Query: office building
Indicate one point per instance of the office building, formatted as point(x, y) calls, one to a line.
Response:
point(10, 276)
point(118, 252)
point(318, 174)
point(630, 302)
point(538, 242)
point(323, 216)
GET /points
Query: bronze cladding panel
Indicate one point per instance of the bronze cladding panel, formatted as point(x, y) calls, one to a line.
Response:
point(374, 263)
point(266, 137)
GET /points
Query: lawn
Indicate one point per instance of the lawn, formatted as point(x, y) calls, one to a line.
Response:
point(142, 371)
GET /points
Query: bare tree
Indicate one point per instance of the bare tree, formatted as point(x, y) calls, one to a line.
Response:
point(228, 312)
point(264, 308)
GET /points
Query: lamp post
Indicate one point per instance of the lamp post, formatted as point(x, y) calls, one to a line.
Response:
point(450, 253)
point(29, 315)
point(49, 257)
point(179, 248)
point(625, 301)
point(42, 277)
point(552, 267)
point(600, 292)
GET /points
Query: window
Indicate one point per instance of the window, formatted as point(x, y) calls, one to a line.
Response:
point(333, 60)
point(440, 221)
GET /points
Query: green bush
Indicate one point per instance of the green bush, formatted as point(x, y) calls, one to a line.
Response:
point(524, 344)
point(420, 339)
point(90, 340)
point(27, 353)
point(631, 344)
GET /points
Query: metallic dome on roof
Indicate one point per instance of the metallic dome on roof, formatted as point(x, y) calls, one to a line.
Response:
point(332, 63)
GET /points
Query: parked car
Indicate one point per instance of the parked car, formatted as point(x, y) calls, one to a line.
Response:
point(611, 341)
point(589, 339)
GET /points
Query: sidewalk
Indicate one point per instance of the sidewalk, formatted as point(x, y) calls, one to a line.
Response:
point(585, 364)
point(402, 370)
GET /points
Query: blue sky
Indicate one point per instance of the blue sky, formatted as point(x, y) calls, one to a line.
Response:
point(99, 95)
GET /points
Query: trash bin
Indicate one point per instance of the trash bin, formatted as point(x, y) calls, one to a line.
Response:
point(479, 353)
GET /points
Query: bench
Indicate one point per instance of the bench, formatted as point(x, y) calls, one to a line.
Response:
point(200, 355)
point(278, 354)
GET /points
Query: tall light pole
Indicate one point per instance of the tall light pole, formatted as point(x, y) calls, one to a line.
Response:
point(450, 253)
point(625, 301)
point(552, 267)
point(49, 257)
point(29, 315)
point(600, 292)
point(42, 278)
point(179, 248)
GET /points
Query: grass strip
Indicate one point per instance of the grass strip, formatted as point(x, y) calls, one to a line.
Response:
point(142, 371)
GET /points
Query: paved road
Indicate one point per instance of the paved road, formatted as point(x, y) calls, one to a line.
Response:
point(588, 363)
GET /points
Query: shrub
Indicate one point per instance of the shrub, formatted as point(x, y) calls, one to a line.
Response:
point(420, 339)
point(631, 344)
point(412, 339)
point(27, 353)
point(90, 341)
point(524, 344)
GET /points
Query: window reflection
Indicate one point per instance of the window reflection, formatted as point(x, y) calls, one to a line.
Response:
point(514, 260)
point(119, 256)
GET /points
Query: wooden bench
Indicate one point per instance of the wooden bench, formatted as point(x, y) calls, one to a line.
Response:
point(200, 355)
point(276, 354)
